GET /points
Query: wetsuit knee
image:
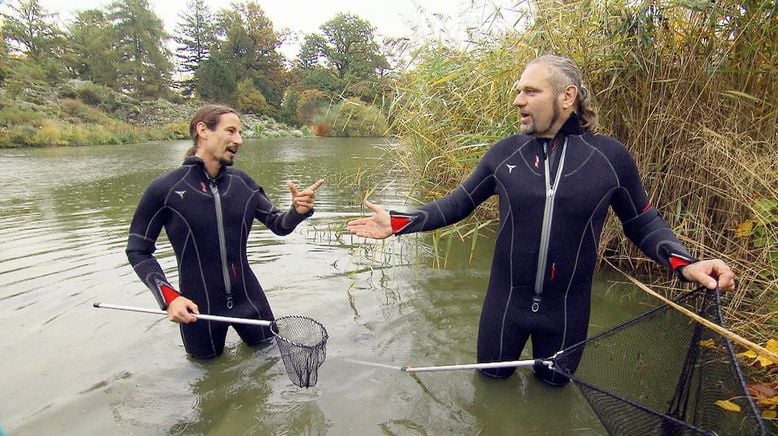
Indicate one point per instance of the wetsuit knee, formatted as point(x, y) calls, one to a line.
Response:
point(206, 356)
point(549, 376)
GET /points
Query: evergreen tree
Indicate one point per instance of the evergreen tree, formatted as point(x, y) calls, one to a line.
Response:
point(94, 58)
point(3, 61)
point(215, 80)
point(31, 30)
point(195, 38)
point(144, 66)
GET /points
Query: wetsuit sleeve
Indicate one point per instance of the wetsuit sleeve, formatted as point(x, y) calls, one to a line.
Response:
point(280, 223)
point(641, 221)
point(454, 206)
point(146, 225)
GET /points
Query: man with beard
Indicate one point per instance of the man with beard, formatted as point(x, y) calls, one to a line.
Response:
point(555, 181)
point(207, 208)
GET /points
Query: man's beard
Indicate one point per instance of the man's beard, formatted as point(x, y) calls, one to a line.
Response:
point(531, 129)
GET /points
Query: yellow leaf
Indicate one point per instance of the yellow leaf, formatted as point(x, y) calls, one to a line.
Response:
point(769, 414)
point(728, 405)
point(772, 346)
point(765, 361)
point(744, 229)
point(769, 401)
point(708, 343)
point(747, 355)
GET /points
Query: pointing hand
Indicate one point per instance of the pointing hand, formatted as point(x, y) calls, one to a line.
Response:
point(302, 201)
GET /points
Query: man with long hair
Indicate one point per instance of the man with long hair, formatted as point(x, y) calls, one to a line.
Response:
point(207, 209)
point(555, 181)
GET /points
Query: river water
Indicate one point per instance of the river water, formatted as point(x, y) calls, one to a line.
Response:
point(68, 368)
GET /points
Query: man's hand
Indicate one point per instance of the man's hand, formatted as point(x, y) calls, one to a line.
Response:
point(302, 201)
point(181, 309)
point(378, 226)
point(710, 273)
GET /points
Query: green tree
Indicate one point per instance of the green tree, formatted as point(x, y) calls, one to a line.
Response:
point(249, 46)
point(94, 57)
point(347, 45)
point(31, 30)
point(196, 38)
point(144, 66)
point(248, 99)
point(3, 61)
point(215, 80)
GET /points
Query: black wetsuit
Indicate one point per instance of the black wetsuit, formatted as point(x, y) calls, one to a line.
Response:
point(207, 221)
point(553, 200)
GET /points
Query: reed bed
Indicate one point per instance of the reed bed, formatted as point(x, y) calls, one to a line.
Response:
point(688, 86)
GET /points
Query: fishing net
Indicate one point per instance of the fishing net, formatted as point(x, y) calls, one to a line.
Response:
point(302, 342)
point(662, 373)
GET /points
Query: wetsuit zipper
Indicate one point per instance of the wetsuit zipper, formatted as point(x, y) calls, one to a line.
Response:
point(222, 243)
point(548, 214)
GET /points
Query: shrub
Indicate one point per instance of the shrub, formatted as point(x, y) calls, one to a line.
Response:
point(309, 104)
point(353, 118)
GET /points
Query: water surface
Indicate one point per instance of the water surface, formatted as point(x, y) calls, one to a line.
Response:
point(69, 368)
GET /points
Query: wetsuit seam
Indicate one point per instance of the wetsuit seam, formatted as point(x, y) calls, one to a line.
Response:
point(245, 231)
point(587, 227)
point(607, 160)
point(443, 215)
point(635, 212)
point(151, 222)
point(506, 220)
point(475, 188)
point(649, 234)
point(199, 265)
point(582, 165)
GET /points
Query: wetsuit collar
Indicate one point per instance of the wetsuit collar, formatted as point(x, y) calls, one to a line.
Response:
point(194, 160)
point(571, 127)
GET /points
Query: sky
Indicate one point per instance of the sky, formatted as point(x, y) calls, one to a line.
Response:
point(391, 18)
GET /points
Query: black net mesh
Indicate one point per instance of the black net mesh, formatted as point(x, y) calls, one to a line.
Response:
point(662, 373)
point(302, 342)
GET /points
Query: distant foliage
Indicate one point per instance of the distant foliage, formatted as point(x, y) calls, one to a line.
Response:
point(352, 118)
point(309, 104)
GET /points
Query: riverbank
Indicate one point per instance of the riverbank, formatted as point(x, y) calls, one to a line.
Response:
point(82, 113)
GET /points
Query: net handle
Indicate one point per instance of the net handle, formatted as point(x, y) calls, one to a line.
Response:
point(228, 319)
point(486, 365)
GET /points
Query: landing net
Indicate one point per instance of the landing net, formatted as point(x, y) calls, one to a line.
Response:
point(302, 342)
point(662, 373)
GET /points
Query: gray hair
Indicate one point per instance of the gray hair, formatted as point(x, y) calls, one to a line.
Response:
point(564, 72)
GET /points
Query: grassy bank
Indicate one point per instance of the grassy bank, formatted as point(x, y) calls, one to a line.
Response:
point(689, 88)
point(81, 113)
